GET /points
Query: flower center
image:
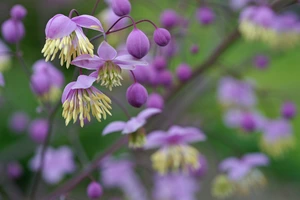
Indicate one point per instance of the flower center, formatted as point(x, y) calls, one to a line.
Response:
point(137, 139)
point(222, 187)
point(110, 75)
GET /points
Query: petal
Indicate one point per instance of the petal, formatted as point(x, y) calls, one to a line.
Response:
point(126, 61)
point(59, 26)
point(86, 61)
point(156, 139)
point(106, 52)
point(193, 134)
point(83, 82)
point(88, 21)
point(256, 159)
point(145, 114)
point(66, 91)
point(114, 127)
point(229, 164)
point(239, 172)
point(133, 125)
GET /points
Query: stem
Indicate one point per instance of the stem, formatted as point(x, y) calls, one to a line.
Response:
point(22, 61)
point(95, 7)
point(72, 12)
point(133, 76)
point(140, 21)
point(73, 182)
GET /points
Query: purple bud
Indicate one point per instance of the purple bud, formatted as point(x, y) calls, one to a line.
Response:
point(248, 123)
point(40, 83)
point(18, 12)
point(184, 72)
point(165, 78)
point(142, 74)
point(194, 49)
point(136, 95)
point(38, 130)
point(288, 110)
point(13, 30)
point(18, 122)
point(162, 37)
point(94, 190)
point(169, 19)
point(201, 171)
point(205, 15)
point(121, 7)
point(261, 61)
point(155, 100)
point(159, 63)
point(14, 170)
point(137, 43)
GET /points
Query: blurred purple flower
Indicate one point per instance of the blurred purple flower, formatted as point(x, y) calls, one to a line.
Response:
point(13, 30)
point(14, 170)
point(155, 100)
point(202, 170)
point(18, 122)
point(120, 7)
point(184, 72)
point(238, 4)
point(2, 81)
point(261, 61)
point(169, 19)
point(18, 12)
point(194, 49)
point(38, 130)
point(288, 110)
point(109, 18)
point(205, 15)
point(5, 57)
point(94, 190)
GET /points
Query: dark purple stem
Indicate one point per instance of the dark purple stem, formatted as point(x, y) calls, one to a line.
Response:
point(72, 12)
point(133, 76)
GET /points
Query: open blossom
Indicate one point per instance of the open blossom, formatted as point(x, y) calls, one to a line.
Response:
point(66, 35)
point(4, 57)
point(277, 137)
point(57, 163)
point(241, 175)
point(108, 65)
point(80, 97)
point(174, 152)
point(133, 127)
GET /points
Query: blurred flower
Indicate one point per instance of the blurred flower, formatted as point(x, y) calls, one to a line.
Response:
point(159, 63)
point(277, 138)
point(202, 170)
point(13, 30)
point(38, 130)
point(184, 72)
point(288, 110)
point(14, 170)
point(165, 78)
point(120, 7)
point(205, 15)
point(136, 95)
point(194, 49)
point(175, 187)
point(133, 127)
point(5, 59)
point(169, 19)
point(108, 65)
point(261, 61)
point(155, 100)
point(2, 81)
point(18, 12)
point(81, 97)
point(66, 35)
point(137, 43)
point(238, 4)
point(170, 49)
point(174, 152)
point(19, 121)
point(120, 173)
point(57, 163)
point(161, 36)
point(109, 18)
point(94, 190)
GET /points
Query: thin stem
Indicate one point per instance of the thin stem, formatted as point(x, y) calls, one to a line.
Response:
point(22, 61)
point(133, 23)
point(95, 7)
point(140, 21)
point(72, 12)
point(133, 76)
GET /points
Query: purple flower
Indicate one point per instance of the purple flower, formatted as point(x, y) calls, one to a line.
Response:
point(142, 74)
point(205, 15)
point(108, 65)
point(2, 81)
point(169, 19)
point(66, 35)
point(175, 187)
point(14, 170)
point(94, 190)
point(174, 152)
point(165, 78)
point(161, 36)
point(238, 4)
point(288, 110)
point(57, 163)
point(80, 97)
point(18, 122)
point(277, 137)
point(38, 130)
point(155, 100)
point(13, 30)
point(136, 95)
point(18, 12)
point(159, 63)
point(184, 72)
point(5, 57)
point(120, 7)
point(194, 49)
point(261, 61)
point(137, 43)
point(202, 170)
point(132, 127)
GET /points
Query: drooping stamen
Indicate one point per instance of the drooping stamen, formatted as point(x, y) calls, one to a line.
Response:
point(137, 139)
point(110, 75)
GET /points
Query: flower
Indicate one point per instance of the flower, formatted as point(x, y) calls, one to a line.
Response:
point(261, 61)
point(108, 65)
point(165, 78)
point(66, 35)
point(133, 127)
point(169, 19)
point(14, 170)
point(175, 153)
point(94, 190)
point(80, 97)
point(159, 63)
point(57, 163)
point(184, 72)
point(161, 36)
point(155, 100)
point(137, 43)
point(38, 130)
point(277, 137)
point(136, 95)
point(288, 110)
point(19, 121)
point(120, 7)
point(4, 57)
point(241, 175)
point(18, 12)
point(13, 30)
point(205, 15)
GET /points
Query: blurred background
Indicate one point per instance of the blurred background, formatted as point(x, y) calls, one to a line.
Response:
point(196, 104)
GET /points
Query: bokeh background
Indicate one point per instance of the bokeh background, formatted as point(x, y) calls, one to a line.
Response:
point(196, 104)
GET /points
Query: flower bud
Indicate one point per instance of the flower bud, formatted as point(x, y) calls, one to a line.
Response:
point(161, 37)
point(169, 19)
point(137, 43)
point(13, 30)
point(38, 130)
point(142, 74)
point(94, 190)
point(205, 16)
point(121, 7)
point(194, 49)
point(155, 100)
point(248, 123)
point(136, 95)
point(18, 122)
point(166, 78)
point(40, 83)
point(159, 63)
point(261, 61)
point(288, 110)
point(18, 12)
point(184, 72)
point(14, 170)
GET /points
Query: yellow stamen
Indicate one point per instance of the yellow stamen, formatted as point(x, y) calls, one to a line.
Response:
point(279, 147)
point(137, 139)
point(110, 75)
point(222, 187)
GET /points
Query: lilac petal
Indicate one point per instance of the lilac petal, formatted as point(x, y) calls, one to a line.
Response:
point(133, 125)
point(114, 127)
point(256, 159)
point(53, 176)
point(193, 135)
point(106, 51)
point(66, 91)
point(59, 26)
point(2, 82)
point(156, 139)
point(145, 114)
point(86, 61)
point(88, 21)
point(84, 82)
point(239, 172)
point(229, 164)
point(127, 61)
